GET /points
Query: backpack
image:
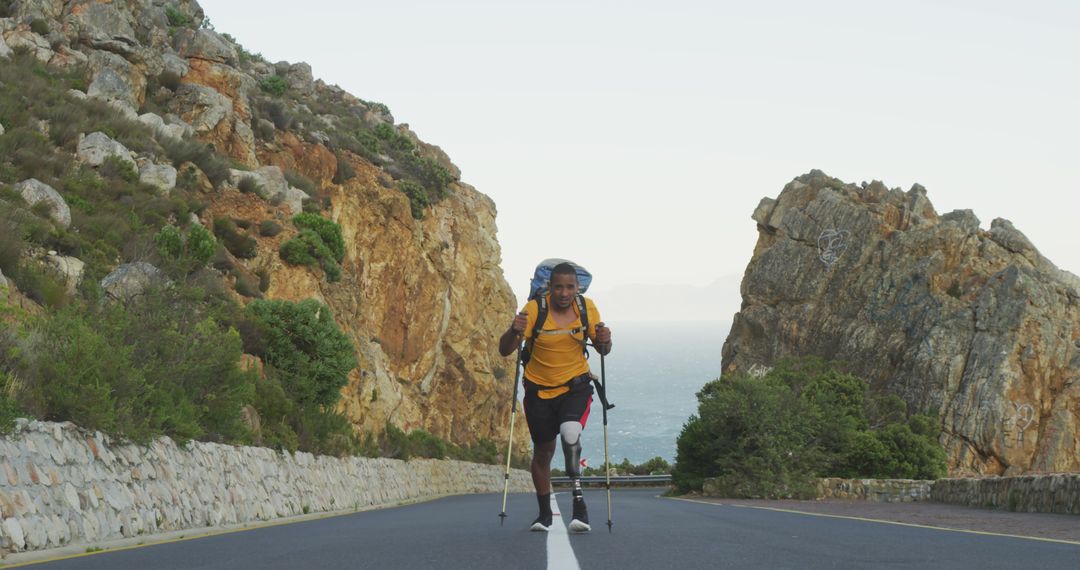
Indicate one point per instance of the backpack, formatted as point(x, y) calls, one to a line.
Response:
point(538, 289)
point(541, 280)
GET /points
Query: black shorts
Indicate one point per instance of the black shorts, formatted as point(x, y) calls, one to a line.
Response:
point(545, 416)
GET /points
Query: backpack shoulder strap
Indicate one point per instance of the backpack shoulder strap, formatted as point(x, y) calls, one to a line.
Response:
point(583, 314)
point(541, 315)
point(541, 318)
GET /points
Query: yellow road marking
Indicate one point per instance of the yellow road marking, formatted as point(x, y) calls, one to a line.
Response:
point(897, 523)
point(254, 525)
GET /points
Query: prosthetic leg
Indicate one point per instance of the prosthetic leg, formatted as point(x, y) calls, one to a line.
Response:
point(571, 446)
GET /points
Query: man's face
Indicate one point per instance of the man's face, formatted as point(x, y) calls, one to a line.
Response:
point(563, 290)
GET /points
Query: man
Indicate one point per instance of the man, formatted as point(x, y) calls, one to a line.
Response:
point(558, 391)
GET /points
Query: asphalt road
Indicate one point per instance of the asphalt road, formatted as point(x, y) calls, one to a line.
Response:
point(649, 532)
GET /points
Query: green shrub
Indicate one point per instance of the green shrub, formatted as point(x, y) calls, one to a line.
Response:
point(298, 251)
point(177, 19)
point(162, 365)
point(328, 231)
point(13, 245)
point(249, 185)
point(238, 243)
point(9, 409)
point(300, 181)
point(192, 251)
point(269, 228)
point(213, 165)
point(39, 27)
point(771, 436)
point(306, 345)
point(169, 242)
point(264, 280)
point(274, 85)
point(41, 284)
point(247, 286)
point(319, 242)
point(200, 245)
point(344, 171)
point(418, 197)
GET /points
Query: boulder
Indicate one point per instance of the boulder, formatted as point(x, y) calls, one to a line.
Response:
point(173, 63)
point(115, 79)
point(67, 59)
point(973, 327)
point(131, 280)
point(160, 176)
point(37, 45)
point(27, 10)
point(94, 148)
point(3, 280)
point(5, 50)
point(101, 25)
point(202, 107)
point(70, 268)
point(159, 126)
point(204, 44)
point(275, 187)
point(300, 79)
point(34, 191)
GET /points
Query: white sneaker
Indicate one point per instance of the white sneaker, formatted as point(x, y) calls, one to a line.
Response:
point(541, 524)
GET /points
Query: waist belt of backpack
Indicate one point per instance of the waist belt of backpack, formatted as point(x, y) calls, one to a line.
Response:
point(531, 386)
point(575, 381)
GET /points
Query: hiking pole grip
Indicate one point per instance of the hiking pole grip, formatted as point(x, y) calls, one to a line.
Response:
point(510, 441)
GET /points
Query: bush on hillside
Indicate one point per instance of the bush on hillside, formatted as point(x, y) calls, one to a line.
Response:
point(274, 85)
point(772, 436)
point(162, 365)
point(303, 342)
point(236, 241)
point(319, 242)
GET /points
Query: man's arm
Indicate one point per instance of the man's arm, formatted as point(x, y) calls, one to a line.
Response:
point(513, 336)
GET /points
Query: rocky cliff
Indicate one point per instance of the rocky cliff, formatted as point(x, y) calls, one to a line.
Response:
point(969, 324)
point(421, 292)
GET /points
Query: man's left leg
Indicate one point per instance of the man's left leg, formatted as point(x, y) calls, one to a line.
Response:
point(574, 414)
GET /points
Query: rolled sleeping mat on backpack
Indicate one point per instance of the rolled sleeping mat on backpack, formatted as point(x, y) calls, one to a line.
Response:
point(542, 277)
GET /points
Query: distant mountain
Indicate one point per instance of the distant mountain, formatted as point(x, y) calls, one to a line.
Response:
point(717, 301)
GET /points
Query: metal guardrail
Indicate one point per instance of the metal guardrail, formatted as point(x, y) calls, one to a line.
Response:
point(621, 480)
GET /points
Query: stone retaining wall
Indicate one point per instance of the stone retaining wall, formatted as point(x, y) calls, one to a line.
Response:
point(1056, 493)
point(1052, 493)
point(877, 490)
point(61, 485)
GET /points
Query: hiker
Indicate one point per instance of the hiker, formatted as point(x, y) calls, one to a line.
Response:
point(557, 381)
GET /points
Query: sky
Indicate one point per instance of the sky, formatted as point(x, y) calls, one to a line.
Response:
point(636, 138)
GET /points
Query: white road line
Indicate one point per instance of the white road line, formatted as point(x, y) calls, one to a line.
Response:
point(560, 555)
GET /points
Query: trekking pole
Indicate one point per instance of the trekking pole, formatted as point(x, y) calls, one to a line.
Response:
point(607, 458)
point(510, 442)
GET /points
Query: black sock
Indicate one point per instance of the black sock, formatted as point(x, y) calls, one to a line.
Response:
point(545, 503)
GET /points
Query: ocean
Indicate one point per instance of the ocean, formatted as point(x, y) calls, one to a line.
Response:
point(653, 374)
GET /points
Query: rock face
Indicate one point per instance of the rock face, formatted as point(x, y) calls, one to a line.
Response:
point(422, 300)
point(970, 325)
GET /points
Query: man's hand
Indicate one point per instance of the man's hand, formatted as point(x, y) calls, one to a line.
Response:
point(511, 339)
point(521, 320)
point(602, 338)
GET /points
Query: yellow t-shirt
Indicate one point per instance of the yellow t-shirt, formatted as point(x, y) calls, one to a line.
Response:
point(556, 358)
